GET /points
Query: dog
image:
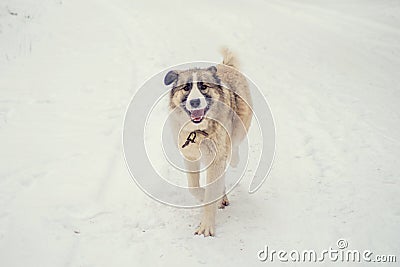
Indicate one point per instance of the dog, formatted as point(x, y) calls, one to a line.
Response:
point(212, 114)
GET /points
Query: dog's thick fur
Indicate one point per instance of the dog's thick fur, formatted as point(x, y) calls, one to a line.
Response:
point(224, 93)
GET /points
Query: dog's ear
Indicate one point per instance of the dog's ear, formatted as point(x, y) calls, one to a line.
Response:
point(212, 69)
point(171, 77)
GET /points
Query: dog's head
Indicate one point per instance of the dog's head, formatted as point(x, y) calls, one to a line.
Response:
point(193, 91)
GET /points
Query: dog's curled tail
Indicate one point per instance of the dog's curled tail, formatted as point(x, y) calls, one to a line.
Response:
point(229, 58)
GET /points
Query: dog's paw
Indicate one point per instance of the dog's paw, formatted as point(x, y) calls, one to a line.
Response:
point(223, 202)
point(206, 228)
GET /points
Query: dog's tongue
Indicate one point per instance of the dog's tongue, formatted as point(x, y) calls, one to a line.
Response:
point(197, 114)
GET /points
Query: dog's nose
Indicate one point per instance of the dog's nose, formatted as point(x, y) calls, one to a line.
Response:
point(195, 102)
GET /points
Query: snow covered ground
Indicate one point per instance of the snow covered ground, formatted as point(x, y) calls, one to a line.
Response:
point(68, 69)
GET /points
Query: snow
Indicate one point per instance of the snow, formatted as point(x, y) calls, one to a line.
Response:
point(68, 70)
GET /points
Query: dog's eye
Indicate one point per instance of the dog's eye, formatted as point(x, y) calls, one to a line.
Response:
point(203, 86)
point(187, 87)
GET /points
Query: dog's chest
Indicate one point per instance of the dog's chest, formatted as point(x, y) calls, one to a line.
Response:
point(191, 144)
point(201, 145)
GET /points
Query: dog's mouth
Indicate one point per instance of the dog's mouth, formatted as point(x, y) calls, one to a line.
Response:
point(197, 115)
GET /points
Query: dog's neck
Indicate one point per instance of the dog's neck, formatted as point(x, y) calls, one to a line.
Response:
point(192, 137)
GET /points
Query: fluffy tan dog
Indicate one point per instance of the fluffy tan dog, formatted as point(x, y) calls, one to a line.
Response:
point(212, 114)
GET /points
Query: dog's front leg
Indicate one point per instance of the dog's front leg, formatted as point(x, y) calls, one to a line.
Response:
point(214, 190)
point(193, 176)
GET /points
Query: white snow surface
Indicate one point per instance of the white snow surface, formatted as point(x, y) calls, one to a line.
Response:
point(68, 69)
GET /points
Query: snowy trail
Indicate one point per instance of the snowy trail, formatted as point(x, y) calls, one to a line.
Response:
point(328, 70)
